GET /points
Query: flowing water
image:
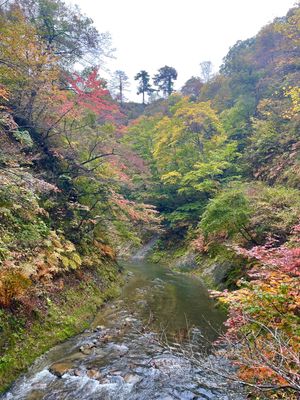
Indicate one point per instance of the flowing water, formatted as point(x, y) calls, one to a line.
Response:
point(121, 355)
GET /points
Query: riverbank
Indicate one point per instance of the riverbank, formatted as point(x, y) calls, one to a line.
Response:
point(123, 355)
point(50, 245)
point(59, 315)
point(216, 272)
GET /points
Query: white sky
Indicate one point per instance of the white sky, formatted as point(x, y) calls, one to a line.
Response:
point(150, 34)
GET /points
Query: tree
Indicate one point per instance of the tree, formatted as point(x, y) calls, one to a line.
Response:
point(27, 68)
point(165, 78)
point(228, 213)
point(188, 153)
point(32, 73)
point(144, 84)
point(192, 87)
point(120, 84)
point(206, 70)
point(66, 31)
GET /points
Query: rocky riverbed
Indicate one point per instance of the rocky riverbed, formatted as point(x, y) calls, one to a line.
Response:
point(124, 354)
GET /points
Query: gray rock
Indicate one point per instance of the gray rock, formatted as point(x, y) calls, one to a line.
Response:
point(78, 372)
point(87, 348)
point(132, 379)
point(120, 348)
point(206, 393)
point(117, 379)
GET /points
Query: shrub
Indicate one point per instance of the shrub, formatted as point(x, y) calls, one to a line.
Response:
point(13, 285)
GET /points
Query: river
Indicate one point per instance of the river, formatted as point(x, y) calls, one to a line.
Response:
point(123, 356)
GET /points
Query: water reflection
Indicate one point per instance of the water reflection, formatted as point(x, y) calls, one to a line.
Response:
point(173, 301)
point(119, 359)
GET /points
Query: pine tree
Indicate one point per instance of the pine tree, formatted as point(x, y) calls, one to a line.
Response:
point(165, 78)
point(144, 86)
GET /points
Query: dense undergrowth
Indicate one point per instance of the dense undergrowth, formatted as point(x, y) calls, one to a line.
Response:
point(224, 157)
point(59, 315)
point(64, 213)
point(81, 180)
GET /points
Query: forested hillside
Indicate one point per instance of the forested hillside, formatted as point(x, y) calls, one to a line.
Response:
point(85, 176)
point(63, 207)
point(224, 156)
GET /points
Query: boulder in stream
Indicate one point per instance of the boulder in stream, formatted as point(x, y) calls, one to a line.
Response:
point(94, 374)
point(132, 379)
point(87, 349)
point(60, 368)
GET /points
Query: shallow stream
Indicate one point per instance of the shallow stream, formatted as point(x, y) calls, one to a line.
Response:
point(123, 355)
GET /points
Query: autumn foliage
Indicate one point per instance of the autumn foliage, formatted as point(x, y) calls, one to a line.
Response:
point(215, 167)
point(225, 175)
point(64, 186)
point(263, 326)
point(13, 285)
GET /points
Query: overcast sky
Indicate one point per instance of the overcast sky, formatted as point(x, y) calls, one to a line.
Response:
point(149, 34)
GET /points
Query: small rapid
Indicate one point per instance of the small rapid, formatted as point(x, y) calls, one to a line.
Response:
point(141, 254)
point(122, 356)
